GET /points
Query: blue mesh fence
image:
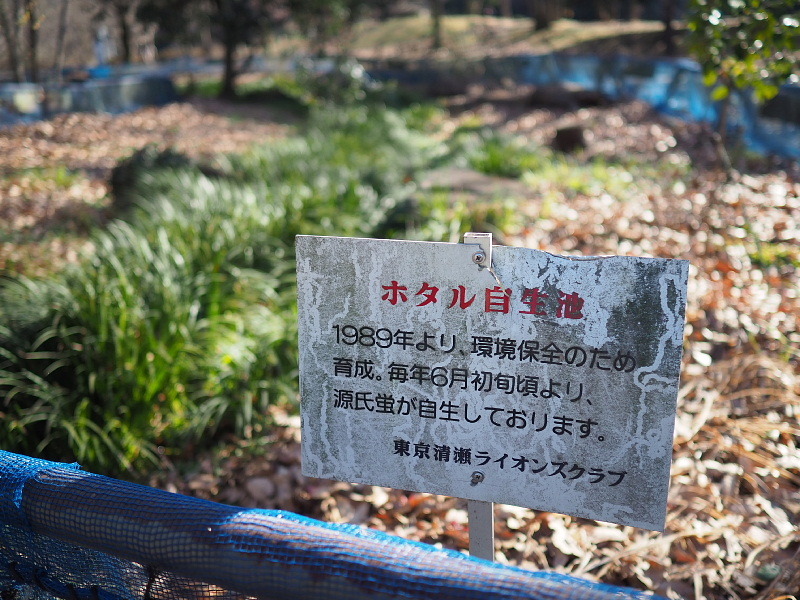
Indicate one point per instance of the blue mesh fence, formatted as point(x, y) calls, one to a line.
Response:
point(65, 533)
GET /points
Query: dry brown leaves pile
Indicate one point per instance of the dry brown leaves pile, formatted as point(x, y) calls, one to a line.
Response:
point(734, 507)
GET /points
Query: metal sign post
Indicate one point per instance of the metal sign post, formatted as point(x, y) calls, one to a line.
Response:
point(481, 529)
point(480, 513)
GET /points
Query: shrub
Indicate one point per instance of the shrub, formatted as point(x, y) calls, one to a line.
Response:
point(182, 321)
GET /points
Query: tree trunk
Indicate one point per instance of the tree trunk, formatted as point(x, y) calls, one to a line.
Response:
point(384, 11)
point(587, 10)
point(669, 29)
point(225, 16)
point(9, 25)
point(626, 10)
point(543, 13)
point(229, 74)
point(437, 8)
point(505, 8)
point(121, 9)
point(720, 134)
point(33, 40)
point(61, 34)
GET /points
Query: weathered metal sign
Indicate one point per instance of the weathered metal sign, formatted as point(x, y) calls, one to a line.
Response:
point(546, 382)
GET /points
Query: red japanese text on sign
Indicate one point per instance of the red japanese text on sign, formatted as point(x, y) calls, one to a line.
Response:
point(496, 299)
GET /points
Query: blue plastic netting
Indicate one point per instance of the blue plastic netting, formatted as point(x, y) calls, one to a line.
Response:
point(65, 533)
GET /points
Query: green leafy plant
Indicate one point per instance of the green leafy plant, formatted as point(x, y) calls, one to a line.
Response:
point(500, 155)
point(766, 255)
point(181, 324)
point(745, 45)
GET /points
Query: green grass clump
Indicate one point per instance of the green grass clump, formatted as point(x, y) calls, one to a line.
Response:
point(503, 155)
point(181, 325)
point(555, 174)
point(777, 255)
point(58, 177)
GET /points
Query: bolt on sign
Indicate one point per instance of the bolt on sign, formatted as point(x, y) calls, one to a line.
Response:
point(541, 381)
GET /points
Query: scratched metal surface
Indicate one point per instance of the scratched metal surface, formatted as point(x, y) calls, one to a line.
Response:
point(69, 534)
point(596, 342)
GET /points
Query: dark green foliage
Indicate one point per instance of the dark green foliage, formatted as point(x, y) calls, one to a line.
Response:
point(348, 84)
point(181, 324)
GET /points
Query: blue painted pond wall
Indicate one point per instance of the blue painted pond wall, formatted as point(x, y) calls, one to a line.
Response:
point(26, 102)
point(674, 87)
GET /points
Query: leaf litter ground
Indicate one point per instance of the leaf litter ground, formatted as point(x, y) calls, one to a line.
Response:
point(734, 505)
